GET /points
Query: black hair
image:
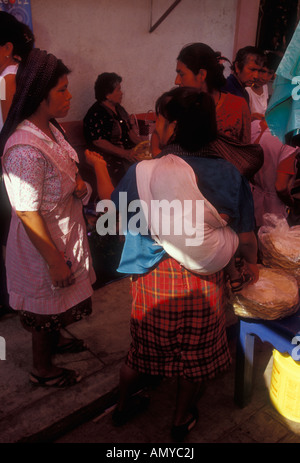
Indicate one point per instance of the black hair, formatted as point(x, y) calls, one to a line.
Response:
point(17, 33)
point(198, 56)
point(35, 78)
point(243, 54)
point(194, 113)
point(40, 87)
point(272, 60)
point(106, 84)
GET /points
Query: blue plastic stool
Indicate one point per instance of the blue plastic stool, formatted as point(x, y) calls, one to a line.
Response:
point(279, 333)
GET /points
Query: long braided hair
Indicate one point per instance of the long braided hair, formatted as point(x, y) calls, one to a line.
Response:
point(36, 76)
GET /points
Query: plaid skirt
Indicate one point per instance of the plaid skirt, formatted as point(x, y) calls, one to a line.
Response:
point(178, 323)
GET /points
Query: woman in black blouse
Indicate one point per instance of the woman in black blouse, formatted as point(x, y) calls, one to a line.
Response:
point(107, 126)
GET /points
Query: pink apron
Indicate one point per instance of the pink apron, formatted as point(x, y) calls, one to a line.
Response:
point(29, 284)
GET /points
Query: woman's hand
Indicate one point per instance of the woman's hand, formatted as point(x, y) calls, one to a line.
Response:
point(60, 274)
point(253, 271)
point(80, 188)
point(38, 233)
point(132, 156)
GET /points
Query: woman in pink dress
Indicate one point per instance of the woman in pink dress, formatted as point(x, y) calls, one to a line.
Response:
point(49, 272)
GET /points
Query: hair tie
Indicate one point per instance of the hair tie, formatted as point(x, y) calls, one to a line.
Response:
point(221, 58)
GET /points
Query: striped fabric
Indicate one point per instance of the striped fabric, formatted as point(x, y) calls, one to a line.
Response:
point(178, 323)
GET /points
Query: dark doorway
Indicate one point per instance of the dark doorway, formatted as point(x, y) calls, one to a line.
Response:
point(276, 24)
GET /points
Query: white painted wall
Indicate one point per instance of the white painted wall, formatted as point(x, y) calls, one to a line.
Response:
point(246, 23)
point(93, 36)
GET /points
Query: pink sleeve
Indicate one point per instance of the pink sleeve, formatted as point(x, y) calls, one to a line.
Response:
point(25, 168)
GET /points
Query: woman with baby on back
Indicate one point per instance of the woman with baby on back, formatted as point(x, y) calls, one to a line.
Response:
point(178, 312)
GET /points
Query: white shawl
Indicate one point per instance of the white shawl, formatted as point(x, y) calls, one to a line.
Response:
point(180, 219)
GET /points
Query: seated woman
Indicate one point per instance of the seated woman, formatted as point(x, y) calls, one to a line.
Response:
point(178, 312)
point(107, 126)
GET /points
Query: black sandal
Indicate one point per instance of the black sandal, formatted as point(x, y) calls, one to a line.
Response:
point(66, 378)
point(180, 432)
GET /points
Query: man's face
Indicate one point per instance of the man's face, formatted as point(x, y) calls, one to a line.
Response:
point(250, 73)
point(185, 77)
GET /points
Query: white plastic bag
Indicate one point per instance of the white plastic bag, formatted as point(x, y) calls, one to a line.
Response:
point(279, 245)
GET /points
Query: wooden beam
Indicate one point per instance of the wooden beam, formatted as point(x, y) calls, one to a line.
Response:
point(163, 17)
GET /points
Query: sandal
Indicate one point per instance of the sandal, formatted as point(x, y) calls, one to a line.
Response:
point(137, 404)
point(65, 379)
point(74, 346)
point(239, 283)
point(179, 432)
point(239, 263)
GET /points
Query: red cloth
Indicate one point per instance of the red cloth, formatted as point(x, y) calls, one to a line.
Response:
point(234, 118)
point(178, 323)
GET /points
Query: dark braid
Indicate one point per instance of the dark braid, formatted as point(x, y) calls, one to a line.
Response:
point(34, 80)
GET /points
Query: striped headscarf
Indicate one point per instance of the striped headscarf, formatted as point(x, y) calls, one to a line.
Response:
point(34, 80)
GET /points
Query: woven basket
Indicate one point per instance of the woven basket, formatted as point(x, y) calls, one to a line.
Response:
point(275, 295)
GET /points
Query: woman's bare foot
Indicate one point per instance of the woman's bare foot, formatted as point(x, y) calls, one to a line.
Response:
point(92, 158)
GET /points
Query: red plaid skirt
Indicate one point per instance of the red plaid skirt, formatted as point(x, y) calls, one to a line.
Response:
point(178, 323)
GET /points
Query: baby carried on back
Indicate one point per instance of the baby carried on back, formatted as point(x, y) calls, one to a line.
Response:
point(179, 217)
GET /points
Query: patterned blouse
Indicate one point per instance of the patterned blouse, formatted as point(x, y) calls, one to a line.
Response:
point(102, 122)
